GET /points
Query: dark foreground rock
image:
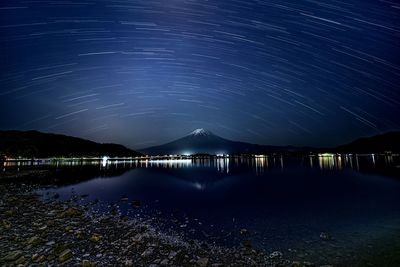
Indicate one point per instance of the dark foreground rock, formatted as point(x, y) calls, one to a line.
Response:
point(34, 232)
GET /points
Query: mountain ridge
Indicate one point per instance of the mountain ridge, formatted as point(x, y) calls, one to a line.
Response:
point(202, 141)
point(38, 144)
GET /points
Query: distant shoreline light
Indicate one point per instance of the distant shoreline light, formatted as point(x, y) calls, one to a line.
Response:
point(170, 161)
point(104, 161)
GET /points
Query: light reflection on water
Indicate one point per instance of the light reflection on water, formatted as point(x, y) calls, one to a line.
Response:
point(258, 163)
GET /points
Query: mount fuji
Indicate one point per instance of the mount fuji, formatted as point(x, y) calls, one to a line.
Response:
point(202, 141)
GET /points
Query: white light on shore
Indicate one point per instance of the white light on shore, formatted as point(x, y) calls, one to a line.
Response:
point(104, 161)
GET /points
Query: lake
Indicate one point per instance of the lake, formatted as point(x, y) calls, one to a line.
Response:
point(324, 209)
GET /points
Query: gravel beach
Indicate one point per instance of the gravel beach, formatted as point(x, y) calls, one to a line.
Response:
point(37, 232)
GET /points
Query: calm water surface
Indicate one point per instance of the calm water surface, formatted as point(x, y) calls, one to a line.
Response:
point(284, 203)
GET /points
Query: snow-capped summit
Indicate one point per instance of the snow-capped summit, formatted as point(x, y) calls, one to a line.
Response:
point(202, 141)
point(200, 132)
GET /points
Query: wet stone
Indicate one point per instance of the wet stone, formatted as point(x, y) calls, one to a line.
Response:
point(71, 212)
point(86, 263)
point(34, 241)
point(128, 263)
point(246, 243)
point(325, 236)
point(13, 255)
point(135, 203)
point(20, 260)
point(95, 237)
point(172, 255)
point(202, 262)
point(164, 262)
point(149, 251)
point(243, 231)
point(65, 255)
point(276, 254)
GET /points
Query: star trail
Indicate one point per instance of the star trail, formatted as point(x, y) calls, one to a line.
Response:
point(142, 73)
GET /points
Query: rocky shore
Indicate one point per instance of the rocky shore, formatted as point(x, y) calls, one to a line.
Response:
point(37, 232)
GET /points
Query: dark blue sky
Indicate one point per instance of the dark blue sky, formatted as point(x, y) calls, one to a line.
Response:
point(142, 73)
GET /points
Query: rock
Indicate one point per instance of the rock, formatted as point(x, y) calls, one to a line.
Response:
point(95, 237)
point(86, 263)
point(275, 254)
point(20, 260)
point(79, 235)
point(147, 252)
point(65, 255)
point(40, 258)
point(44, 227)
point(202, 262)
point(129, 263)
point(243, 231)
point(6, 224)
point(8, 212)
point(13, 255)
point(135, 203)
point(325, 236)
point(164, 262)
point(246, 243)
point(71, 212)
point(172, 255)
point(34, 241)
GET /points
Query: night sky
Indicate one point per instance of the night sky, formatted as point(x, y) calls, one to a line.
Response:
point(142, 73)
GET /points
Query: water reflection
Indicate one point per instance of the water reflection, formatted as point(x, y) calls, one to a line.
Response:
point(257, 163)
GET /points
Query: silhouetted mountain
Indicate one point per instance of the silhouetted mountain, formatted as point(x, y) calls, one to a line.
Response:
point(37, 144)
point(202, 141)
point(375, 144)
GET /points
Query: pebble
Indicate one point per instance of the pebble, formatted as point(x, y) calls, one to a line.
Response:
point(128, 263)
point(13, 255)
point(202, 262)
point(147, 252)
point(86, 263)
point(276, 254)
point(95, 237)
point(172, 255)
point(164, 262)
point(65, 255)
point(325, 236)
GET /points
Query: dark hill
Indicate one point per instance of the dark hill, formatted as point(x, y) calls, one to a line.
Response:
point(36, 144)
point(379, 143)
